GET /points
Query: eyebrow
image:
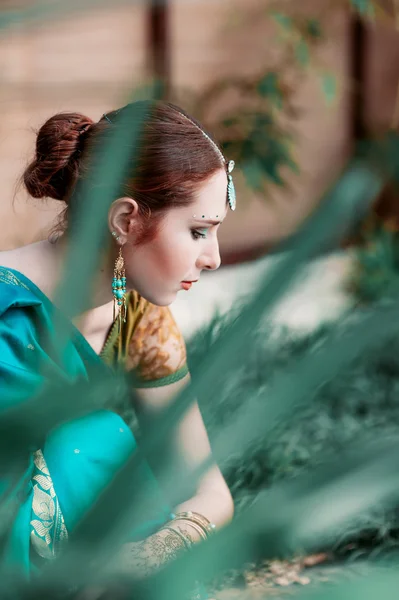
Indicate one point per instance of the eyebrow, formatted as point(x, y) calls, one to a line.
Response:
point(208, 222)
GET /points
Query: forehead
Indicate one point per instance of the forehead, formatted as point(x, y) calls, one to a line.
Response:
point(211, 196)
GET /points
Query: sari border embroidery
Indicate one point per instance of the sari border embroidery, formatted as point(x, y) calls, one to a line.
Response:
point(8, 277)
point(48, 530)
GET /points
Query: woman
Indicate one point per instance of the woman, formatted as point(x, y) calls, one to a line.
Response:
point(163, 233)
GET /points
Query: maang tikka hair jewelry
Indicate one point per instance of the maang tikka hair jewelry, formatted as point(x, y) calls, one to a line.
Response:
point(119, 287)
point(231, 191)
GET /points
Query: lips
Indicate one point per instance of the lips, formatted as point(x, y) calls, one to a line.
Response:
point(186, 285)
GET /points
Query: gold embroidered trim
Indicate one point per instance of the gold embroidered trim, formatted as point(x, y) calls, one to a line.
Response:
point(48, 530)
point(9, 277)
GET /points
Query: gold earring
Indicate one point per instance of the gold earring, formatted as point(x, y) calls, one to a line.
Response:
point(119, 289)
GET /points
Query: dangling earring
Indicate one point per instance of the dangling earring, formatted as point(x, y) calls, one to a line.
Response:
point(119, 289)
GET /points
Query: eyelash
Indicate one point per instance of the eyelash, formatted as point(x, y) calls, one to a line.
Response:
point(199, 234)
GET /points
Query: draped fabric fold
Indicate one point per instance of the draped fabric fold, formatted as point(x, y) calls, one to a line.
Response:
point(79, 458)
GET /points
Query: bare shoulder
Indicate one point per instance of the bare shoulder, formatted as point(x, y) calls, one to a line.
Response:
point(29, 260)
point(12, 258)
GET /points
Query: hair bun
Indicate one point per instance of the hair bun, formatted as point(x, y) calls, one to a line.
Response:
point(55, 168)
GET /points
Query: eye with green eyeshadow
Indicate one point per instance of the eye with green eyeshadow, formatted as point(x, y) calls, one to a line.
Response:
point(199, 234)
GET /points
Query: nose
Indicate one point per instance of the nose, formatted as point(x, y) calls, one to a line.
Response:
point(210, 258)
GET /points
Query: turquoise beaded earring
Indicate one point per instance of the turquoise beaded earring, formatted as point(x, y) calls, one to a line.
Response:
point(119, 288)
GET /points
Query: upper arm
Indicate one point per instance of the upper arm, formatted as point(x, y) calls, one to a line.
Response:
point(189, 439)
point(158, 354)
point(189, 445)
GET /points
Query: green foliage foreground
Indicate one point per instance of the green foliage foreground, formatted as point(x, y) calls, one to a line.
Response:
point(357, 405)
point(273, 406)
point(264, 397)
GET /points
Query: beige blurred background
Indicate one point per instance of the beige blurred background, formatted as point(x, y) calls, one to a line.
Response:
point(88, 60)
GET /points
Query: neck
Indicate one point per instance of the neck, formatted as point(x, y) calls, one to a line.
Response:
point(52, 267)
point(98, 312)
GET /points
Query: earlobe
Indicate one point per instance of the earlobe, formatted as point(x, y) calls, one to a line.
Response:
point(122, 216)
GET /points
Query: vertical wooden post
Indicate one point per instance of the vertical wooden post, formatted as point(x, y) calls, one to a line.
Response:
point(358, 65)
point(159, 44)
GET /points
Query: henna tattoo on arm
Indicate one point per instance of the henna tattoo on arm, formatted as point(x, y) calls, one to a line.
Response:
point(141, 559)
point(189, 538)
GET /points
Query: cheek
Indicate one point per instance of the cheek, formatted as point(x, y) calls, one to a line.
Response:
point(176, 256)
point(156, 260)
point(165, 258)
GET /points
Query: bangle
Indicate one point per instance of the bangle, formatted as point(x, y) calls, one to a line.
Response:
point(200, 520)
point(195, 526)
point(198, 517)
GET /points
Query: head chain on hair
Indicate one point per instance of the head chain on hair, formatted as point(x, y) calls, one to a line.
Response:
point(229, 165)
point(85, 129)
point(81, 137)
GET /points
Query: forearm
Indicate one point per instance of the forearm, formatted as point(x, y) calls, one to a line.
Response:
point(141, 559)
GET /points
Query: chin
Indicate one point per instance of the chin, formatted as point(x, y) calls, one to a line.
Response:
point(160, 299)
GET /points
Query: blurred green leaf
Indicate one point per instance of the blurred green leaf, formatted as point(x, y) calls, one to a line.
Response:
point(377, 271)
point(329, 86)
point(364, 7)
point(271, 170)
point(313, 29)
point(254, 174)
point(284, 518)
point(283, 20)
point(302, 53)
point(268, 87)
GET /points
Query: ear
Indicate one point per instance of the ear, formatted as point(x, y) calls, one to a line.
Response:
point(123, 217)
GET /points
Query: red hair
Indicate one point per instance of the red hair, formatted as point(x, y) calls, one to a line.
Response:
point(174, 157)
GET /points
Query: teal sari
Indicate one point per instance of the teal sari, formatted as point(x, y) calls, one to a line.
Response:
point(79, 458)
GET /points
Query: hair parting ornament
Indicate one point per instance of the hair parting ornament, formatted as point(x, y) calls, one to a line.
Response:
point(231, 191)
